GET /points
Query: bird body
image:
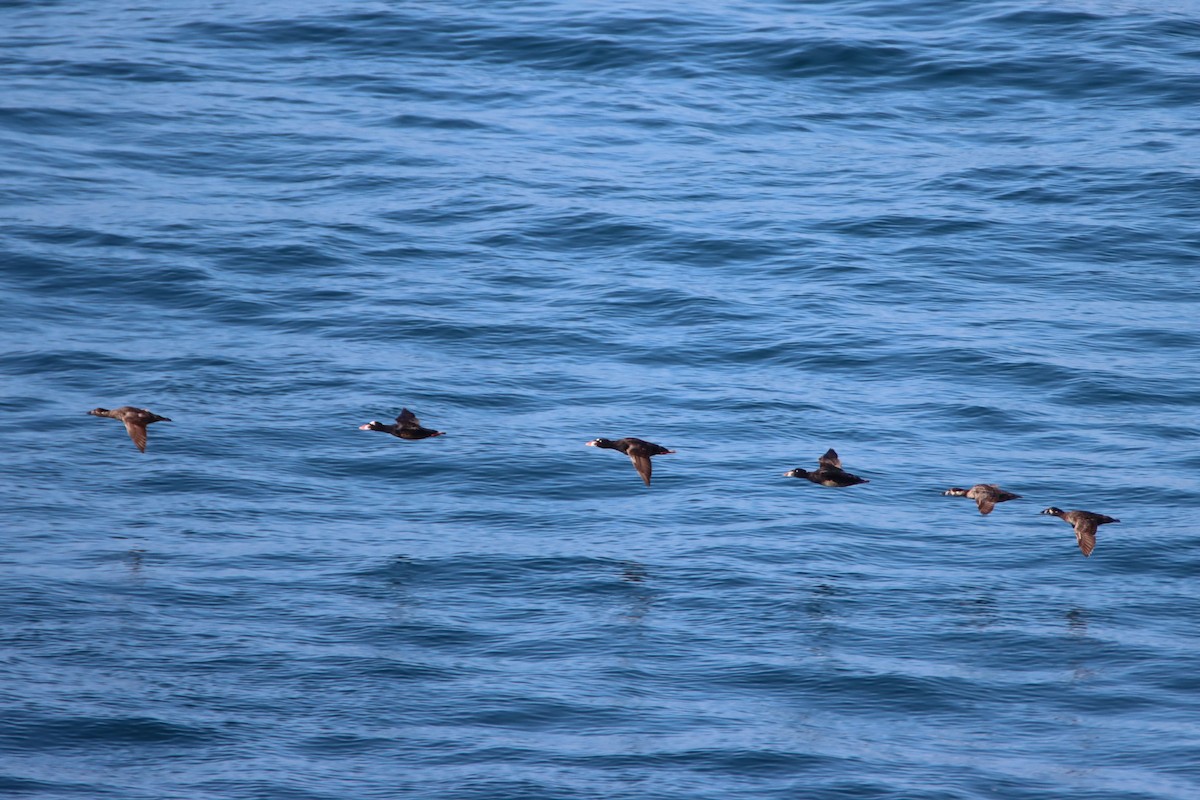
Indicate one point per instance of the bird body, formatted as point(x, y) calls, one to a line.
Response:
point(135, 419)
point(985, 495)
point(407, 426)
point(1085, 524)
point(638, 450)
point(829, 472)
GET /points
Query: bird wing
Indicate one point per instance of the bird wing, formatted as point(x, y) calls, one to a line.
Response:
point(1085, 534)
point(407, 419)
point(830, 459)
point(986, 502)
point(642, 464)
point(137, 432)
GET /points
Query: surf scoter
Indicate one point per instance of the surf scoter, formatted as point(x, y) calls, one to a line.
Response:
point(829, 472)
point(135, 419)
point(407, 426)
point(1084, 523)
point(638, 450)
point(985, 495)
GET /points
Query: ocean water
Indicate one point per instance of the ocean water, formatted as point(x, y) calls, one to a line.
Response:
point(958, 242)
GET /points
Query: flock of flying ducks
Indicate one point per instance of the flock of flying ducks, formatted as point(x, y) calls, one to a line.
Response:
point(829, 470)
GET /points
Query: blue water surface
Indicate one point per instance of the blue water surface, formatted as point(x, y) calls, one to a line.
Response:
point(956, 242)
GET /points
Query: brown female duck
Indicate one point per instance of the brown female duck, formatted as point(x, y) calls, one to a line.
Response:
point(135, 419)
point(985, 495)
point(638, 450)
point(1085, 524)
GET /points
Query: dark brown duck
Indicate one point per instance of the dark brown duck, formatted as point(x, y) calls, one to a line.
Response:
point(1085, 524)
point(638, 450)
point(407, 426)
point(985, 495)
point(135, 419)
point(829, 472)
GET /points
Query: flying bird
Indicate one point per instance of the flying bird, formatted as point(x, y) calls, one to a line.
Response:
point(829, 472)
point(1085, 524)
point(407, 426)
point(638, 450)
point(985, 495)
point(135, 419)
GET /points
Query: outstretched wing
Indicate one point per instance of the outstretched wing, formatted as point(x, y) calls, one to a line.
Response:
point(642, 464)
point(830, 459)
point(986, 502)
point(1085, 534)
point(407, 419)
point(137, 432)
